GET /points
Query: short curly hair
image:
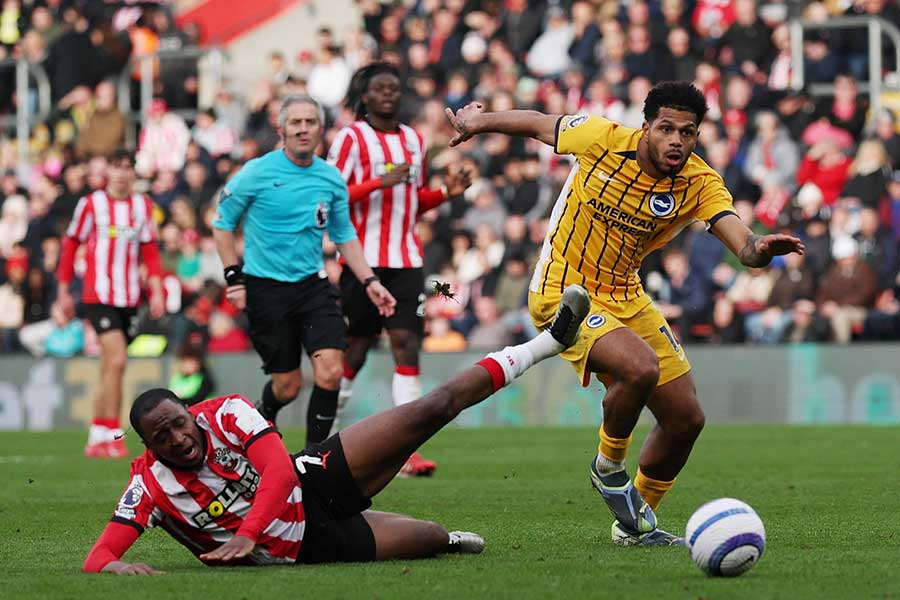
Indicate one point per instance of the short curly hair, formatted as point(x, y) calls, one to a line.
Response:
point(680, 95)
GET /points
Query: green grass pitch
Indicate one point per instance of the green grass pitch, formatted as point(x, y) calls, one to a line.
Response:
point(828, 497)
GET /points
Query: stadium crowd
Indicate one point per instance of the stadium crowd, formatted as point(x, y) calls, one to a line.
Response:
point(824, 168)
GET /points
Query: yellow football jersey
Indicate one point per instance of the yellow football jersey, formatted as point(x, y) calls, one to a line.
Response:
point(610, 214)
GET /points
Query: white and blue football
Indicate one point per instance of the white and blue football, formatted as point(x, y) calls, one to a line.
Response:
point(726, 537)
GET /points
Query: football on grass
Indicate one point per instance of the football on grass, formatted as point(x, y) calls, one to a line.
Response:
point(726, 537)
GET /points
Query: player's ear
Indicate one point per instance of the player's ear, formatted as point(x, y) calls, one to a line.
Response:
point(645, 127)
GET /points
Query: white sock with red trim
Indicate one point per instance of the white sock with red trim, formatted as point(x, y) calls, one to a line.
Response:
point(407, 386)
point(515, 360)
point(346, 389)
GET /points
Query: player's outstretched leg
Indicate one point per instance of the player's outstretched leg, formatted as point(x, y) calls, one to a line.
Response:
point(377, 447)
point(400, 536)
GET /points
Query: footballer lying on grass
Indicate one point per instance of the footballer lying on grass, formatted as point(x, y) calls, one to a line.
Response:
point(217, 477)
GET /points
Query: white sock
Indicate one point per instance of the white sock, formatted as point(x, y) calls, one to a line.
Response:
point(606, 466)
point(98, 434)
point(515, 360)
point(543, 346)
point(406, 388)
point(345, 392)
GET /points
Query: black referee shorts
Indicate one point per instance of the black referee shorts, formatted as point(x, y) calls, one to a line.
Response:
point(405, 285)
point(288, 318)
point(335, 528)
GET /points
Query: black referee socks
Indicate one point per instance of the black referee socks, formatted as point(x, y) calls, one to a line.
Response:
point(320, 414)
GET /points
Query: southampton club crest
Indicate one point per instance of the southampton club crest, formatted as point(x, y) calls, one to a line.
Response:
point(662, 205)
point(226, 459)
point(322, 215)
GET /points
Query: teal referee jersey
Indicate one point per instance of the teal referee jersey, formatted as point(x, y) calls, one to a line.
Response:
point(286, 209)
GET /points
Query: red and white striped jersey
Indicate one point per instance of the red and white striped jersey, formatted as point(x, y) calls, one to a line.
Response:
point(203, 509)
point(114, 230)
point(386, 223)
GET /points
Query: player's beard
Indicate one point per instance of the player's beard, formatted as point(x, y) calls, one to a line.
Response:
point(659, 164)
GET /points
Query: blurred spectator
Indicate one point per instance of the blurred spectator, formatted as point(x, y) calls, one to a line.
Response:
point(826, 167)
point(585, 34)
point(490, 330)
point(806, 325)
point(441, 338)
point(747, 296)
point(893, 189)
point(886, 132)
point(684, 59)
point(883, 321)
point(225, 335)
point(684, 297)
point(104, 130)
point(846, 110)
point(13, 224)
point(486, 209)
point(877, 247)
point(191, 379)
point(847, 291)
point(793, 282)
point(178, 73)
point(521, 25)
point(549, 54)
point(330, 78)
point(163, 140)
point(772, 156)
point(780, 71)
point(820, 63)
point(796, 111)
point(72, 58)
point(746, 45)
point(12, 300)
point(712, 18)
point(214, 135)
point(868, 173)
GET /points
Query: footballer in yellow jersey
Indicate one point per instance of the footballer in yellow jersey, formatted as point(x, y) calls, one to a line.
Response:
point(630, 192)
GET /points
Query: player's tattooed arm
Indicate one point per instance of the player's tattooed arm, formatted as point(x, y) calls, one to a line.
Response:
point(472, 119)
point(750, 256)
point(753, 250)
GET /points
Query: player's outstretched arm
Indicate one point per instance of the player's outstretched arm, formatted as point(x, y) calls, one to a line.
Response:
point(115, 540)
point(754, 250)
point(471, 120)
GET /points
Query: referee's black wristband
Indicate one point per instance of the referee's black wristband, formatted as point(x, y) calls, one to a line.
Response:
point(370, 280)
point(234, 275)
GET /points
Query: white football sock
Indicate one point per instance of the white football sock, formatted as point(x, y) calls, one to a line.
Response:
point(98, 434)
point(606, 466)
point(345, 392)
point(515, 360)
point(406, 388)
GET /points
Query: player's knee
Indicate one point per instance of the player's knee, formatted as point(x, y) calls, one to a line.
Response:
point(642, 374)
point(116, 361)
point(328, 375)
point(686, 429)
point(287, 390)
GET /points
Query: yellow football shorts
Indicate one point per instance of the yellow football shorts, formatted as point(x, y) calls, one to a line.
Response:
point(648, 323)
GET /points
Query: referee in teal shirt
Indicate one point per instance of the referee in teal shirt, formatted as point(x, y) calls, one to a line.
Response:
point(287, 199)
